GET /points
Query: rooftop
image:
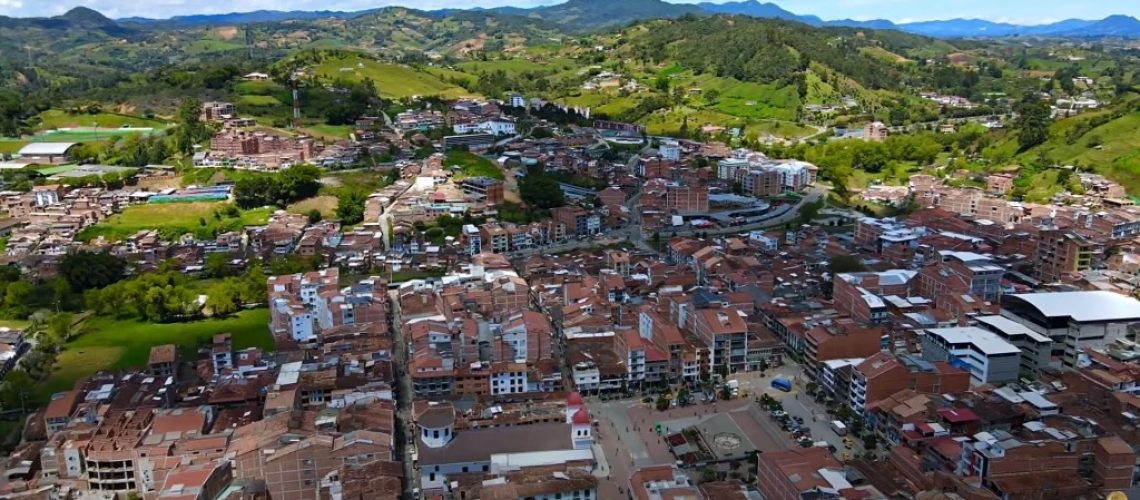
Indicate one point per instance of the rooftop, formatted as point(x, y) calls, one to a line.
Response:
point(1088, 306)
point(986, 342)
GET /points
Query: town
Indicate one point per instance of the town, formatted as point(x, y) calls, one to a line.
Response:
point(709, 331)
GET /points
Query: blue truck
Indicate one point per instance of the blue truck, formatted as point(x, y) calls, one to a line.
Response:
point(782, 384)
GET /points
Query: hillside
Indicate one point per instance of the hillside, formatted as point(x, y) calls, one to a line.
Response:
point(1102, 141)
point(590, 14)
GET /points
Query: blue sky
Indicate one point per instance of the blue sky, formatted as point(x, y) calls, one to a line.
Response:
point(1014, 11)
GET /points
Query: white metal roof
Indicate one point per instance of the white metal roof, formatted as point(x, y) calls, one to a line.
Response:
point(46, 148)
point(1084, 306)
point(1012, 328)
point(986, 342)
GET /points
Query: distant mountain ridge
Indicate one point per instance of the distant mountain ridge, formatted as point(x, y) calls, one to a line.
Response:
point(592, 14)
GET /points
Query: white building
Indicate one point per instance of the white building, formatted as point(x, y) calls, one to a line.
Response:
point(670, 150)
point(1074, 321)
point(764, 241)
point(498, 126)
point(444, 451)
point(518, 101)
point(988, 358)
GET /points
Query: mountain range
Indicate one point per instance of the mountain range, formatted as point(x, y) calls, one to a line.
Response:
point(594, 14)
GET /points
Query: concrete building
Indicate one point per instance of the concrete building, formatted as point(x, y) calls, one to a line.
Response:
point(1036, 348)
point(1074, 320)
point(988, 358)
point(485, 189)
point(726, 334)
point(670, 150)
point(875, 132)
point(884, 374)
point(1061, 254)
point(798, 474)
point(687, 199)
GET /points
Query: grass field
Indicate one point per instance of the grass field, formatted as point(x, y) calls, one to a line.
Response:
point(473, 165)
point(87, 134)
point(11, 146)
point(258, 87)
point(207, 45)
point(172, 219)
point(392, 80)
point(58, 118)
point(325, 204)
point(110, 344)
point(257, 100)
point(335, 132)
point(754, 100)
point(515, 66)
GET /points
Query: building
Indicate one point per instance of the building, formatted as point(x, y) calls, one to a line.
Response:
point(518, 101)
point(884, 234)
point(214, 111)
point(1061, 254)
point(726, 334)
point(473, 239)
point(798, 474)
point(163, 361)
point(576, 221)
point(485, 189)
point(445, 452)
point(687, 199)
point(1036, 348)
point(662, 481)
point(988, 358)
point(884, 374)
point(670, 150)
point(1074, 320)
point(875, 131)
point(46, 152)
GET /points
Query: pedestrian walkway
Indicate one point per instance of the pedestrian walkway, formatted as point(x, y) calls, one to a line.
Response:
point(603, 468)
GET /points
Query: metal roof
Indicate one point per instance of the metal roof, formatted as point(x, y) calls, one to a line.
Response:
point(46, 148)
point(1087, 306)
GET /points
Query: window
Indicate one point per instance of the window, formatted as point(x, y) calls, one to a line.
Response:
point(308, 482)
point(485, 468)
point(431, 477)
point(464, 468)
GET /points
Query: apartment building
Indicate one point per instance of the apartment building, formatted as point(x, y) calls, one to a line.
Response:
point(726, 334)
point(884, 374)
point(1060, 254)
point(988, 358)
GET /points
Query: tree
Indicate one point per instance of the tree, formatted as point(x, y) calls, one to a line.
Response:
point(17, 387)
point(763, 366)
point(315, 216)
point(217, 265)
point(1033, 116)
point(190, 128)
point(540, 190)
point(662, 403)
point(811, 388)
point(845, 264)
point(224, 298)
point(86, 270)
point(350, 206)
point(870, 441)
point(61, 327)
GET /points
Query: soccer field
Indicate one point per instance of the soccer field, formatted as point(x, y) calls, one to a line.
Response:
point(88, 134)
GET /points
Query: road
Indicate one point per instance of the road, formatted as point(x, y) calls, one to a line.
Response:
point(633, 232)
point(404, 445)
